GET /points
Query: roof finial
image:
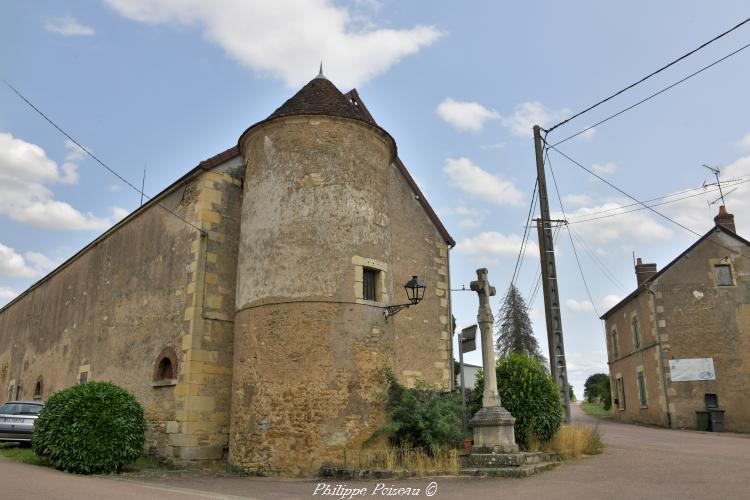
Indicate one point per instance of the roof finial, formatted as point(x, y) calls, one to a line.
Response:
point(320, 74)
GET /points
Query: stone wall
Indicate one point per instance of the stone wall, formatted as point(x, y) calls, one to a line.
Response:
point(324, 201)
point(112, 309)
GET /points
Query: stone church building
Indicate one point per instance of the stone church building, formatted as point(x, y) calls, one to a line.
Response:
point(680, 342)
point(253, 331)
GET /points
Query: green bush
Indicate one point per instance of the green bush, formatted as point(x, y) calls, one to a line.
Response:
point(528, 392)
point(90, 428)
point(596, 389)
point(422, 417)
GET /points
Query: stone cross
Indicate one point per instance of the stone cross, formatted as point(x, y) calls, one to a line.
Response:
point(493, 424)
point(485, 320)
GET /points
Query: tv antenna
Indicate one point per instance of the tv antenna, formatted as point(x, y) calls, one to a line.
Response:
point(717, 174)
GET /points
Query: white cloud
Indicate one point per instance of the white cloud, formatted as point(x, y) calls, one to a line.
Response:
point(7, 294)
point(580, 365)
point(637, 226)
point(113, 188)
point(465, 116)
point(578, 199)
point(528, 114)
point(68, 26)
point(609, 301)
point(24, 197)
point(469, 223)
point(604, 168)
point(476, 181)
point(579, 305)
point(287, 38)
point(496, 244)
point(744, 143)
point(588, 134)
point(27, 265)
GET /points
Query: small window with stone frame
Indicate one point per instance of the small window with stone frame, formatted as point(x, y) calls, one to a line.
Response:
point(370, 278)
point(620, 394)
point(724, 275)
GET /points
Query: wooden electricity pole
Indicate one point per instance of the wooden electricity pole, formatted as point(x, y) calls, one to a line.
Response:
point(549, 283)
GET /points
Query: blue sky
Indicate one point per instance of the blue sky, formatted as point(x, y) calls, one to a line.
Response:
point(458, 84)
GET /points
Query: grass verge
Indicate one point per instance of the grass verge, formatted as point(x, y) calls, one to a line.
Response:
point(572, 441)
point(401, 459)
point(21, 454)
point(595, 410)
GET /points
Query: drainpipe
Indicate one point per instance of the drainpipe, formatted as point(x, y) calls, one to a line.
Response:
point(661, 358)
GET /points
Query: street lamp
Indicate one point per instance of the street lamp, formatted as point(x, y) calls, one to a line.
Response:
point(414, 292)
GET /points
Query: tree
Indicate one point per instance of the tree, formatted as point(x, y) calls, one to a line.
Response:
point(571, 394)
point(596, 389)
point(513, 328)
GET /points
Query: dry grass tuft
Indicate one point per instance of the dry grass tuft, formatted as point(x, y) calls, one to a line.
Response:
point(401, 459)
point(573, 441)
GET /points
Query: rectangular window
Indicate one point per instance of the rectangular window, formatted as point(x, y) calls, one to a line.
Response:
point(83, 378)
point(370, 283)
point(621, 394)
point(615, 344)
point(636, 332)
point(723, 275)
point(642, 389)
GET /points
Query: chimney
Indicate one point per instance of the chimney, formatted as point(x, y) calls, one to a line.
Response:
point(725, 219)
point(643, 271)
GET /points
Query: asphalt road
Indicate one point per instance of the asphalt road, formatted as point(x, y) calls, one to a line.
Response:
point(638, 463)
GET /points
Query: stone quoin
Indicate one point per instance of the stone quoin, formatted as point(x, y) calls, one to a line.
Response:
point(259, 340)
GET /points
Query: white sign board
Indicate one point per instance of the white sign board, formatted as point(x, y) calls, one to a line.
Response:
point(685, 370)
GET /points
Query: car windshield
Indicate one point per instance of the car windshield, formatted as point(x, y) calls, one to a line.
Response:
point(20, 409)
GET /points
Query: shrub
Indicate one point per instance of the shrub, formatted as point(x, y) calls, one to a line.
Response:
point(422, 417)
point(90, 428)
point(528, 392)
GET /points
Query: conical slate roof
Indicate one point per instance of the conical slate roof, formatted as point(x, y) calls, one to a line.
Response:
point(321, 97)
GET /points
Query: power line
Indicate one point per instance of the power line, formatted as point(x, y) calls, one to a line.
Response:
point(733, 182)
point(586, 218)
point(672, 63)
point(521, 251)
point(652, 95)
point(100, 162)
point(644, 205)
point(597, 262)
point(580, 268)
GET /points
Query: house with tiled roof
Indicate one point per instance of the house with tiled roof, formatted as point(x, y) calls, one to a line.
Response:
point(678, 346)
point(251, 305)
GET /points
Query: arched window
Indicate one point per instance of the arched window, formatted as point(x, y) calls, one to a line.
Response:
point(165, 368)
point(39, 388)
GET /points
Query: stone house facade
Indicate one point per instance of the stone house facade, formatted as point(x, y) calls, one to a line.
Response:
point(244, 305)
point(695, 312)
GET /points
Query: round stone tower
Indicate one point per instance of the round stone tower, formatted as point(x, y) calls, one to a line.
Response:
point(315, 269)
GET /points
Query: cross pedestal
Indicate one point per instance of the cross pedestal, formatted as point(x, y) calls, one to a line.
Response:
point(492, 424)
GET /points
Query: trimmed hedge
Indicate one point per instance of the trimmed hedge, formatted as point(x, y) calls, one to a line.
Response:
point(90, 428)
point(529, 393)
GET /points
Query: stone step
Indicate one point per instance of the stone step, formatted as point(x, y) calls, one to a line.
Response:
point(512, 471)
point(504, 459)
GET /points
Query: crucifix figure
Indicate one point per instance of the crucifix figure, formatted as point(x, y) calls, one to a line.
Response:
point(493, 424)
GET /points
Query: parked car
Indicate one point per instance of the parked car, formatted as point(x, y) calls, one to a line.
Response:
point(17, 420)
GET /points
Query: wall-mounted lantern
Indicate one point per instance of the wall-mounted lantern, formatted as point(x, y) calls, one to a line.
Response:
point(414, 292)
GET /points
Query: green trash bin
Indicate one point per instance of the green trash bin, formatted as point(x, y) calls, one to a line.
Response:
point(703, 420)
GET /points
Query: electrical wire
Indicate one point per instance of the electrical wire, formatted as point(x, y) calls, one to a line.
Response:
point(586, 218)
point(100, 162)
point(672, 63)
point(524, 240)
point(652, 95)
point(572, 244)
point(644, 205)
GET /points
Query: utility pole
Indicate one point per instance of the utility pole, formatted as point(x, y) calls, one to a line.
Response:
point(549, 282)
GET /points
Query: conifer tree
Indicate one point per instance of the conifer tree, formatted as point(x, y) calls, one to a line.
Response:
point(513, 328)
